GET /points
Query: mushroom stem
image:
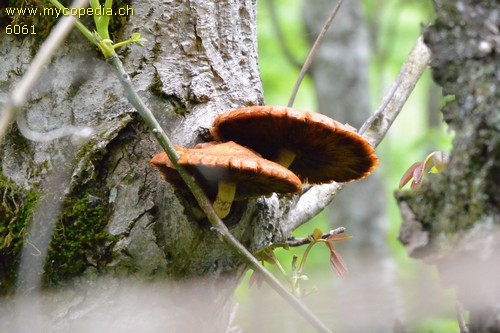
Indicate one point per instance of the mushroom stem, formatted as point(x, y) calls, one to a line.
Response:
point(224, 199)
point(285, 157)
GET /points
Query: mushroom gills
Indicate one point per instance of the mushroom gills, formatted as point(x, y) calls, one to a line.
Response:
point(224, 199)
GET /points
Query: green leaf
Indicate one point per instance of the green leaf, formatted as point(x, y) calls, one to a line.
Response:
point(317, 234)
point(268, 256)
point(136, 38)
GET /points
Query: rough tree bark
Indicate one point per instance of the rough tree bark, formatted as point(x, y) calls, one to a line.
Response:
point(453, 220)
point(118, 217)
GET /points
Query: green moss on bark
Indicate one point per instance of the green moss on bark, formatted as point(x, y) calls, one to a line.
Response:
point(16, 208)
point(80, 239)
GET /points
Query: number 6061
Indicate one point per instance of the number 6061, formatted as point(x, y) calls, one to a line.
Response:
point(18, 29)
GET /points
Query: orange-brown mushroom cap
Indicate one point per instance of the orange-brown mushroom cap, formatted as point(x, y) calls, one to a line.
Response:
point(166, 168)
point(325, 149)
point(228, 161)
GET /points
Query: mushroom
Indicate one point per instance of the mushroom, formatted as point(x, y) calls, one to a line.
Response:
point(169, 173)
point(315, 147)
point(235, 171)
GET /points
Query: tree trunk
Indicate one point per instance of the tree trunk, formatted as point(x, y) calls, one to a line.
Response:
point(453, 220)
point(118, 218)
point(340, 76)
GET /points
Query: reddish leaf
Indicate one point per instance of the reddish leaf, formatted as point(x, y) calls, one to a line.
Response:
point(418, 174)
point(408, 175)
point(337, 238)
point(338, 264)
point(255, 279)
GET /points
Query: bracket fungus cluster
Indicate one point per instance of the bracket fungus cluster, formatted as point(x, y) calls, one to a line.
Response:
point(262, 150)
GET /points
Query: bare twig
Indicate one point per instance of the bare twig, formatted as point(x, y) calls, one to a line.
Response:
point(296, 242)
point(313, 52)
point(377, 125)
point(374, 130)
point(20, 93)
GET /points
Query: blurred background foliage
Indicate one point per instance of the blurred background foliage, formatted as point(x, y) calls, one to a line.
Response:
point(393, 27)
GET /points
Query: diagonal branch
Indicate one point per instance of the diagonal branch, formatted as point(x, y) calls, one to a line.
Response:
point(376, 127)
point(374, 130)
